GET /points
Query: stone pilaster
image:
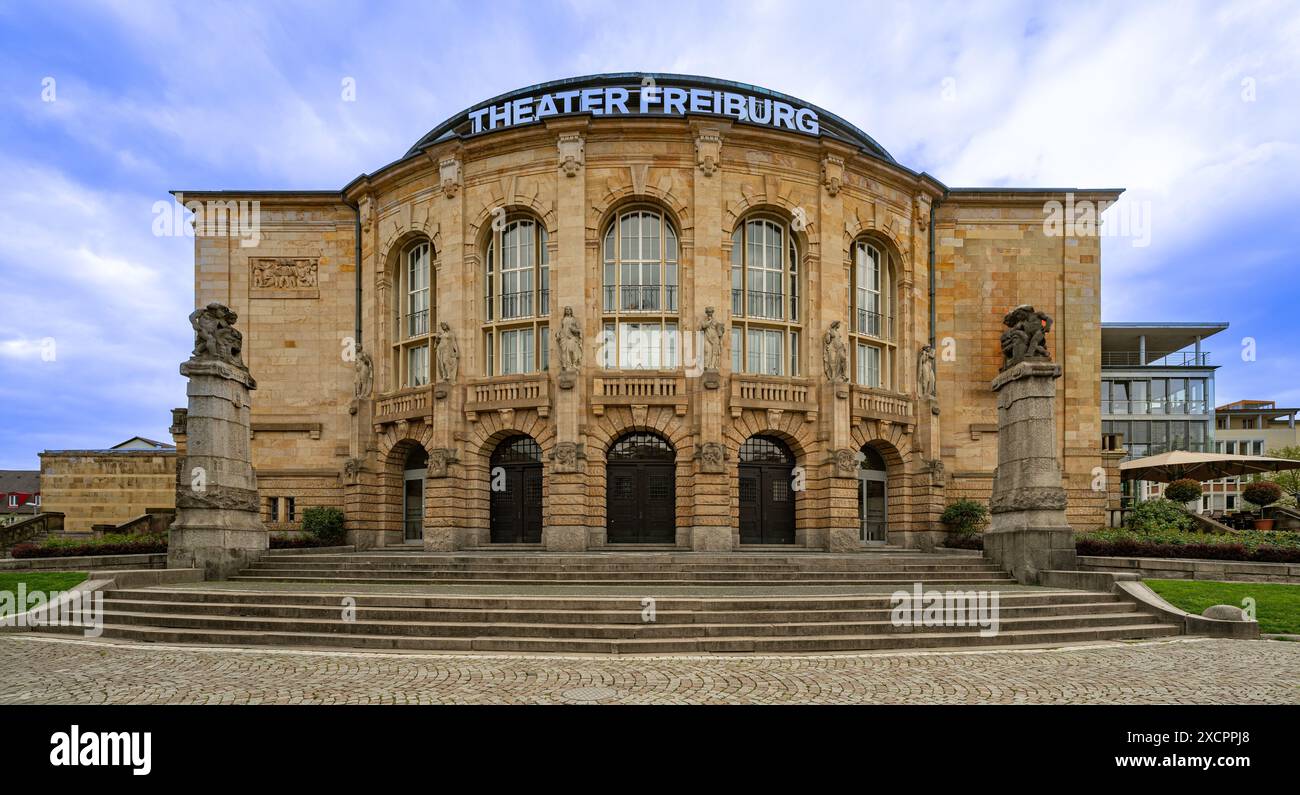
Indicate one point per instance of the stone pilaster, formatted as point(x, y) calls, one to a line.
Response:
point(1029, 532)
point(217, 527)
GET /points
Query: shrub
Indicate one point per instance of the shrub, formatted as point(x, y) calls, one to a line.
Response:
point(1183, 491)
point(965, 516)
point(1261, 493)
point(325, 524)
point(1159, 516)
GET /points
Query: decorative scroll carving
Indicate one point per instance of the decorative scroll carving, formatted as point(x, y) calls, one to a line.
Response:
point(449, 176)
point(572, 153)
point(832, 173)
point(708, 151)
point(1026, 335)
point(846, 463)
point(285, 273)
point(713, 457)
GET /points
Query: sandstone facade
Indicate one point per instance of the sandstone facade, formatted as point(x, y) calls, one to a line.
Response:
point(326, 433)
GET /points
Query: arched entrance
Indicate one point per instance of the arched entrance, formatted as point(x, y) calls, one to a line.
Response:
point(766, 499)
point(515, 480)
point(641, 490)
point(414, 470)
point(873, 501)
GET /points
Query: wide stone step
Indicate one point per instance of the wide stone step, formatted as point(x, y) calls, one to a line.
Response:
point(765, 568)
point(621, 631)
point(1138, 629)
point(630, 614)
point(576, 603)
point(381, 579)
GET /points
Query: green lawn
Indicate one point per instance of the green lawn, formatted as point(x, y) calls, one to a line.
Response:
point(45, 581)
point(1277, 605)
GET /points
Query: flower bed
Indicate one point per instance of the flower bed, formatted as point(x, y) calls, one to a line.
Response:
point(1247, 545)
point(298, 542)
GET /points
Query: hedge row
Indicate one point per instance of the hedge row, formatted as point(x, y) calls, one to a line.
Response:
point(1133, 548)
point(129, 545)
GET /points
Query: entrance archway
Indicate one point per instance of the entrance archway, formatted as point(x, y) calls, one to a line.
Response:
point(414, 470)
point(766, 499)
point(515, 480)
point(641, 490)
point(873, 499)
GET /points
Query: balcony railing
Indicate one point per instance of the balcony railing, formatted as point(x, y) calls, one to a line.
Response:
point(1153, 359)
point(875, 324)
point(641, 298)
point(404, 404)
point(520, 304)
point(880, 404)
point(1156, 407)
point(512, 392)
point(772, 393)
point(626, 389)
point(759, 304)
point(417, 323)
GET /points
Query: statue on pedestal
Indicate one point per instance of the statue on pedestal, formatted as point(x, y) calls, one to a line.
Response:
point(1026, 335)
point(835, 356)
point(448, 353)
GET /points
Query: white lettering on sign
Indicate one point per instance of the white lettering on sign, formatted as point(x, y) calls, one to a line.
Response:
point(661, 100)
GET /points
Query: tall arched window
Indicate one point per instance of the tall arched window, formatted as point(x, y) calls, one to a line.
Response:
point(517, 297)
point(871, 329)
point(414, 314)
point(765, 298)
point(639, 306)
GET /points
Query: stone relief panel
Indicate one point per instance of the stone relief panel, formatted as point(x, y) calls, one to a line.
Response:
point(284, 277)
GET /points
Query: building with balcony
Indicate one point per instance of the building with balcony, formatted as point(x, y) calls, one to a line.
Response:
point(613, 310)
point(1157, 391)
point(1247, 427)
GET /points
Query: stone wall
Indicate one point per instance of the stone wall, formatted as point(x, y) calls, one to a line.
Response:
point(93, 487)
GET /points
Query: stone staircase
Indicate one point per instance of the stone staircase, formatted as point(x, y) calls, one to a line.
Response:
point(594, 603)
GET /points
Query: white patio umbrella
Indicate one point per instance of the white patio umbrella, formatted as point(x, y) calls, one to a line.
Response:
point(1171, 466)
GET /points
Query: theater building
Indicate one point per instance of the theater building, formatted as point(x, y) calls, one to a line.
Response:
point(641, 309)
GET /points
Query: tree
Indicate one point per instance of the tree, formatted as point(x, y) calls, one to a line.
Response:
point(1288, 479)
point(1183, 491)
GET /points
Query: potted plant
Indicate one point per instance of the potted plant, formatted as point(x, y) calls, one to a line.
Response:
point(1262, 493)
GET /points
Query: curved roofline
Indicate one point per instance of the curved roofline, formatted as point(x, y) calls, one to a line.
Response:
point(848, 132)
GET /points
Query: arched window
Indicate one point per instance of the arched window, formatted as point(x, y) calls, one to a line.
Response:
point(414, 314)
point(517, 298)
point(639, 279)
point(871, 329)
point(765, 298)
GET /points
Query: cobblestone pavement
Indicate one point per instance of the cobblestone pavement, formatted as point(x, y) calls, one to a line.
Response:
point(37, 669)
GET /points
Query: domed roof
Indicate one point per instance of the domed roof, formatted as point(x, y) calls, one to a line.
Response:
point(654, 95)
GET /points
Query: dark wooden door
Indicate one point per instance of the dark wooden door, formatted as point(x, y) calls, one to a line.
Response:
point(516, 493)
point(641, 503)
point(766, 498)
point(641, 491)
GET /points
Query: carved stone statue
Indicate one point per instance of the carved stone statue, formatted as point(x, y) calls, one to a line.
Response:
point(215, 336)
point(925, 380)
point(364, 383)
point(448, 353)
point(835, 355)
point(1026, 335)
point(711, 332)
point(569, 339)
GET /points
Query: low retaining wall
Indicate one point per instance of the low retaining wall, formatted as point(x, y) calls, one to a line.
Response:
point(1194, 569)
point(86, 562)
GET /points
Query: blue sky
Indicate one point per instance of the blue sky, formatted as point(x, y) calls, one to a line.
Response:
point(1193, 107)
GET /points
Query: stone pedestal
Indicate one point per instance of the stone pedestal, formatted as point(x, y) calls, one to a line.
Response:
point(217, 527)
point(1028, 533)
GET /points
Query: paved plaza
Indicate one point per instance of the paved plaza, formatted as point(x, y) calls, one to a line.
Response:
point(44, 670)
